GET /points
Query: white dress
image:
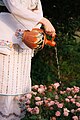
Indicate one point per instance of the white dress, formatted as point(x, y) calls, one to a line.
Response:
point(15, 56)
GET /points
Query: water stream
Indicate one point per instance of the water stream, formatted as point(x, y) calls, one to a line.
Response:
point(57, 60)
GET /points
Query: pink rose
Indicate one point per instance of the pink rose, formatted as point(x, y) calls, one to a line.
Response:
point(56, 102)
point(28, 96)
point(36, 110)
point(28, 102)
point(72, 100)
point(39, 103)
point(43, 86)
point(57, 113)
point(29, 110)
point(51, 108)
point(37, 98)
point(69, 97)
point(67, 100)
point(34, 93)
point(60, 105)
point(41, 90)
point(75, 96)
point(56, 97)
point(56, 85)
point(51, 103)
point(72, 111)
point(62, 92)
point(68, 89)
point(66, 112)
point(77, 104)
point(35, 87)
point(75, 89)
point(75, 118)
point(78, 110)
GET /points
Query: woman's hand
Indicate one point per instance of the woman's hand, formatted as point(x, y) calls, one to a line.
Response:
point(49, 29)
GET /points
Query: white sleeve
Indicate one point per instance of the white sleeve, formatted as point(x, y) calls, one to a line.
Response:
point(16, 8)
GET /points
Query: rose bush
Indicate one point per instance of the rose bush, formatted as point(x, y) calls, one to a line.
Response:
point(52, 103)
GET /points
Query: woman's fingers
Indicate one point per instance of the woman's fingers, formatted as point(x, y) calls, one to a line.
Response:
point(51, 33)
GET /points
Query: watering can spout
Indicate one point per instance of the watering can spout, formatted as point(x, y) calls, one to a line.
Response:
point(50, 42)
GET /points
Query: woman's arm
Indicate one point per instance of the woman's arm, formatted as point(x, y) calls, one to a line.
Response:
point(49, 29)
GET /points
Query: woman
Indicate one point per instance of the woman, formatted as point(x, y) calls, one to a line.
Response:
point(15, 56)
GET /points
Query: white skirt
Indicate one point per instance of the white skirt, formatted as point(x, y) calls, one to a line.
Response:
point(15, 71)
point(15, 80)
point(10, 109)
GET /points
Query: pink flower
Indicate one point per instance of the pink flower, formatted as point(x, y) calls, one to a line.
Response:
point(35, 87)
point(51, 108)
point(37, 98)
point(29, 109)
point(34, 93)
point(60, 105)
point(33, 110)
point(78, 110)
point(75, 118)
point(75, 89)
point(28, 96)
point(56, 97)
point(68, 89)
point(72, 111)
point(67, 100)
point(66, 112)
point(28, 102)
point(69, 97)
point(51, 103)
point(56, 102)
point(77, 104)
point(62, 92)
point(57, 113)
point(36, 110)
point(39, 103)
point(56, 85)
point(75, 96)
point(43, 86)
point(40, 90)
point(72, 100)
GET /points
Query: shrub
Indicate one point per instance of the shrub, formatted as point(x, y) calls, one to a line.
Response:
point(52, 103)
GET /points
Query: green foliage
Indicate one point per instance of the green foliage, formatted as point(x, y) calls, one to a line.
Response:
point(44, 65)
point(65, 17)
point(43, 69)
